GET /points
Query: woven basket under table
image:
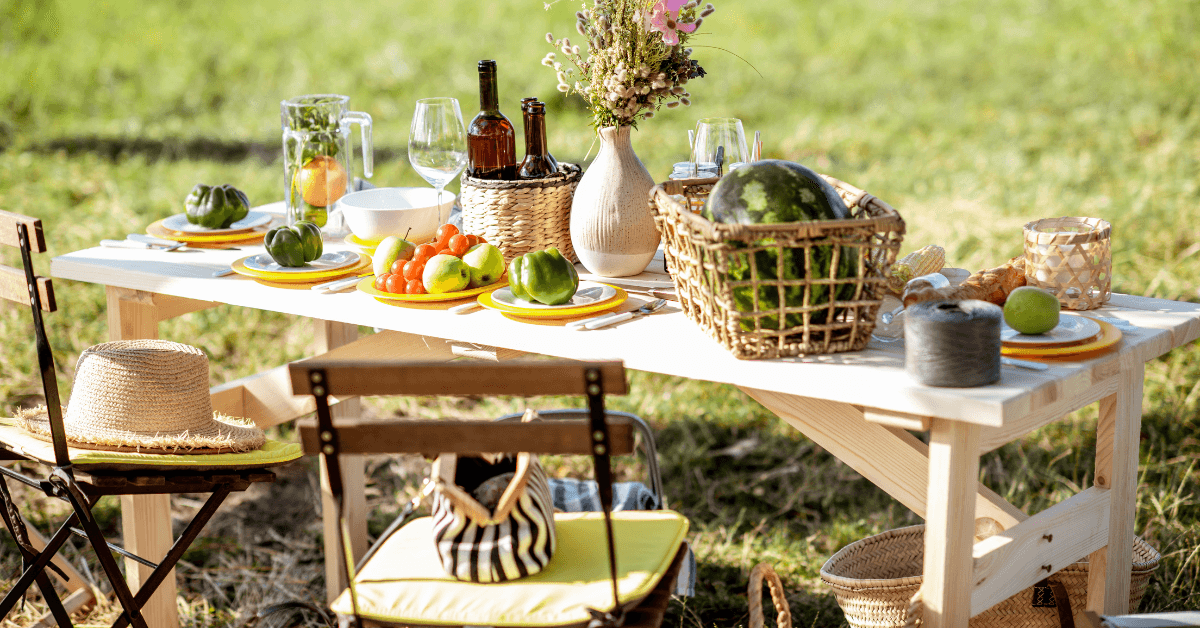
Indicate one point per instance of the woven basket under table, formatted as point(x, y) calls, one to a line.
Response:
point(735, 281)
point(875, 579)
point(524, 215)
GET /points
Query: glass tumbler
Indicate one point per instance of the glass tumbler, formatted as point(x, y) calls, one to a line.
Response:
point(317, 163)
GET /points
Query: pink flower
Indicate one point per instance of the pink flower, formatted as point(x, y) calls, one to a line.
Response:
point(663, 16)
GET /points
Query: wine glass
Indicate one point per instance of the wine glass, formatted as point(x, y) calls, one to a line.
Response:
point(720, 141)
point(437, 143)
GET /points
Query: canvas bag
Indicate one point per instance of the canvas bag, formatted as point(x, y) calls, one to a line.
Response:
point(478, 542)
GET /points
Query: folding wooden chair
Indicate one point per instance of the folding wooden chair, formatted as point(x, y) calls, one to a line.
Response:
point(81, 477)
point(610, 569)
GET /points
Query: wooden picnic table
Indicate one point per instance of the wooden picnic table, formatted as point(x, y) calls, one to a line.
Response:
point(860, 406)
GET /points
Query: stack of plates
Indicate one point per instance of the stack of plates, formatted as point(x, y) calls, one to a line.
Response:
point(249, 230)
point(1073, 336)
point(330, 266)
point(591, 297)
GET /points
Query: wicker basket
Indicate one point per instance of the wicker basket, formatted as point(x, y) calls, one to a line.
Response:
point(522, 216)
point(875, 579)
point(730, 278)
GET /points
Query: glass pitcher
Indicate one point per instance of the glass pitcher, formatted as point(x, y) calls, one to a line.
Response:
point(317, 163)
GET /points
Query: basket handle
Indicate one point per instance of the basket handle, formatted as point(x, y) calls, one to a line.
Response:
point(1061, 601)
point(760, 571)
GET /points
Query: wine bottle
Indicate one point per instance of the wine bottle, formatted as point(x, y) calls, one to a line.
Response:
point(491, 139)
point(538, 161)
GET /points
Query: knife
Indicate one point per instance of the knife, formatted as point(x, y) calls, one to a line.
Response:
point(641, 311)
point(168, 245)
point(124, 244)
point(330, 287)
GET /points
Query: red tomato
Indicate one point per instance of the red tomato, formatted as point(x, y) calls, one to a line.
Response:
point(445, 232)
point(472, 240)
point(414, 270)
point(458, 245)
point(415, 287)
point(380, 282)
point(481, 240)
point(424, 252)
point(396, 284)
point(398, 266)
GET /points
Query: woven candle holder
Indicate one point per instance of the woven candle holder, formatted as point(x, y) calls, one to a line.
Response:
point(1071, 257)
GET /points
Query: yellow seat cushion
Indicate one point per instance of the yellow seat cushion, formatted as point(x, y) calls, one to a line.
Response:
point(15, 438)
point(404, 581)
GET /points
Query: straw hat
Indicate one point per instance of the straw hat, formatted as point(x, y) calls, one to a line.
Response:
point(148, 396)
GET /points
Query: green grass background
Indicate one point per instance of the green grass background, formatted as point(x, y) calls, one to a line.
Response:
point(971, 118)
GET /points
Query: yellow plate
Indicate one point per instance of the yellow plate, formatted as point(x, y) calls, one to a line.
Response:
point(487, 301)
point(239, 267)
point(1109, 336)
point(365, 246)
point(157, 230)
point(367, 285)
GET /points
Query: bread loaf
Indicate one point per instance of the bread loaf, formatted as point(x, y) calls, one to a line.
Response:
point(992, 285)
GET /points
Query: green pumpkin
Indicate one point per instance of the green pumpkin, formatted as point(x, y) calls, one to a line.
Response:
point(216, 206)
point(543, 276)
point(296, 245)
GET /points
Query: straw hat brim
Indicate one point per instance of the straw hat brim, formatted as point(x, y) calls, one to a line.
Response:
point(224, 434)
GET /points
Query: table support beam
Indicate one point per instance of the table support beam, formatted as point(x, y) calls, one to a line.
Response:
point(889, 457)
point(1118, 434)
point(145, 519)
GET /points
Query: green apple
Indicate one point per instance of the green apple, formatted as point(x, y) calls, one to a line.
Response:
point(388, 251)
point(445, 273)
point(486, 263)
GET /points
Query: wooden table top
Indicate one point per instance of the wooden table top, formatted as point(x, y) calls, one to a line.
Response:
point(665, 342)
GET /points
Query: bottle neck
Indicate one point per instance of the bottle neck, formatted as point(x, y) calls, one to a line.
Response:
point(489, 99)
point(535, 131)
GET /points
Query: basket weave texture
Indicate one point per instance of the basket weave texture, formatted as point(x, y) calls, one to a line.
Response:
point(1071, 257)
point(749, 287)
point(524, 215)
point(875, 579)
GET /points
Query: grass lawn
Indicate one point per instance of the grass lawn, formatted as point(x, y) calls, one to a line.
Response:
point(970, 118)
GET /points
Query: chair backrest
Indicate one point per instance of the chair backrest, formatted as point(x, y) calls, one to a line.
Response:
point(322, 378)
point(25, 286)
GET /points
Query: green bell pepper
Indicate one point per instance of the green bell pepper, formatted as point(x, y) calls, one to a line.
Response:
point(543, 276)
point(295, 245)
point(215, 206)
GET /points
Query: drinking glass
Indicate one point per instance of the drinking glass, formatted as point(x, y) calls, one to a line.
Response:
point(437, 143)
point(722, 137)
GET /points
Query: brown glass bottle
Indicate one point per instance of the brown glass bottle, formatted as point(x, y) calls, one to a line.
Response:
point(491, 139)
point(538, 161)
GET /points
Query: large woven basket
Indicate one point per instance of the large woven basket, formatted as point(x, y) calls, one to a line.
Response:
point(524, 215)
point(874, 580)
point(733, 281)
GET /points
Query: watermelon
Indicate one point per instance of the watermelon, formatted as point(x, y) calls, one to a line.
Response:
point(775, 191)
point(772, 191)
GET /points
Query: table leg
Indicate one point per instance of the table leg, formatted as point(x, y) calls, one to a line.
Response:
point(145, 519)
point(331, 335)
point(1118, 434)
point(950, 523)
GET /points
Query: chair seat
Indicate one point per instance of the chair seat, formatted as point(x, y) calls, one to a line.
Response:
point(404, 581)
point(16, 439)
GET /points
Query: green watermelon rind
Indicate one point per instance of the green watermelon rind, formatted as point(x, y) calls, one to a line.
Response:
point(759, 194)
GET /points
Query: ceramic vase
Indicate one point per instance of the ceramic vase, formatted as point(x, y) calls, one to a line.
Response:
point(612, 227)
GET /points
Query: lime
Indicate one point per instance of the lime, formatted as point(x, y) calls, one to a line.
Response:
point(1031, 310)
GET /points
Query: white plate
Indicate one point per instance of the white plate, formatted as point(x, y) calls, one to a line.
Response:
point(1071, 328)
point(179, 222)
point(587, 294)
point(329, 261)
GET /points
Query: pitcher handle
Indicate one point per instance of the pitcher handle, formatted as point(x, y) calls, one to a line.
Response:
point(363, 120)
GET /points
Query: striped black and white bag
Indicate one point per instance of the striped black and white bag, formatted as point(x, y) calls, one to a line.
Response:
point(493, 517)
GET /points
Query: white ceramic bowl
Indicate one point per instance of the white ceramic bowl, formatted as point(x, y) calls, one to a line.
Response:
point(377, 213)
